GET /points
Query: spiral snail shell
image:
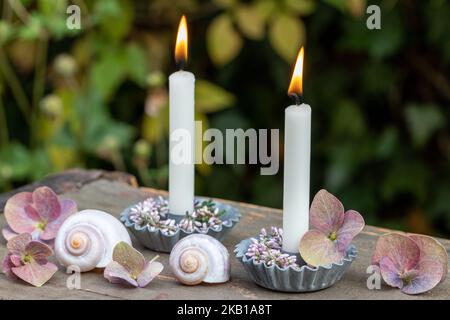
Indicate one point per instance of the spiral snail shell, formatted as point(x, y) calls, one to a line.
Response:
point(87, 239)
point(200, 258)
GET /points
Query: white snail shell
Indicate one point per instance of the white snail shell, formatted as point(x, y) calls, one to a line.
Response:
point(87, 239)
point(200, 258)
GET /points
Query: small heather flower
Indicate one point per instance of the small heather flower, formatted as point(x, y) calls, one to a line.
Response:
point(267, 249)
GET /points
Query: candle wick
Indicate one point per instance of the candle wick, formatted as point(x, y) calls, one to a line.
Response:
point(296, 98)
point(181, 64)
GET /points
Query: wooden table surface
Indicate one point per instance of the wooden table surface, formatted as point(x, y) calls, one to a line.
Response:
point(112, 192)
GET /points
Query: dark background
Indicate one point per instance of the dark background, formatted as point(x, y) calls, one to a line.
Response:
point(97, 97)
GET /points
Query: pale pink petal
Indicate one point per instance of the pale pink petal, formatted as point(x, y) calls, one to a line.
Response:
point(68, 207)
point(16, 215)
point(16, 260)
point(431, 250)
point(32, 213)
point(402, 250)
point(8, 233)
point(34, 273)
point(327, 212)
point(39, 251)
point(353, 224)
point(426, 277)
point(7, 265)
point(318, 250)
point(151, 270)
point(390, 273)
point(116, 273)
point(18, 244)
point(46, 203)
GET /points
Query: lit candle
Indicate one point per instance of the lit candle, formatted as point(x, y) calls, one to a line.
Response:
point(181, 148)
point(297, 149)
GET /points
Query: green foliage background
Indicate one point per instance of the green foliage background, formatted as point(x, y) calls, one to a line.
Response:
point(97, 97)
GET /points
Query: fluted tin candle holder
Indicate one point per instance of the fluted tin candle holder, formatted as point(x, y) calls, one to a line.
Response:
point(157, 229)
point(293, 278)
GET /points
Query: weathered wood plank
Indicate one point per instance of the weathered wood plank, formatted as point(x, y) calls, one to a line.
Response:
point(71, 180)
point(115, 196)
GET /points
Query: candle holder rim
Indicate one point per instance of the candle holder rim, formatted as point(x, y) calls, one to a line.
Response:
point(350, 255)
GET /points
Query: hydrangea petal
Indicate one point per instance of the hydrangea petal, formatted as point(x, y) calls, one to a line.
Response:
point(431, 249)
point(390, 273)
point(327, 212)
point(16, 215)
point(68, 207)
point(34, 273)
point(39, 251)
point(8, 233)
point(403, 251)
point(7, 265)
point(116, 273)
point(317, 249)
point(132, 260)
point(16, 260)
point(428, 275)
point(353, 224)
point(151, 270)
point(46, 203)
point(17, 245)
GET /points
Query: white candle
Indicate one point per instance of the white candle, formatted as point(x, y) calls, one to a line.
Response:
point(181, 117)
point(297, 153)
point(297, 139)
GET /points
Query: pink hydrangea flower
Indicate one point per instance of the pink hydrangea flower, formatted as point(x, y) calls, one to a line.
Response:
point(27, 260)
point(39, 213)
point(332, 230)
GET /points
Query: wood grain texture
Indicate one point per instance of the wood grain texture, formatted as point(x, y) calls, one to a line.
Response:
point(114, 196)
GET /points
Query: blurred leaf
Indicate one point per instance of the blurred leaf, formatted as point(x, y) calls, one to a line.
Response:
point(287, 35)
point(137, 64)
point(22, 53)
point(59, 162)
point(33, 28)
point(211, 98)
point(387, 143)
point(115, 17)
point(405, 176)
point(155, 127)
point(109, 71)
point(423, 121)
point(303, 7)
point(250, 21)
point(225, 3)
point(6, 32)
point(14, 162)
point(265, 8)
point(348, 120)
point(223, 42)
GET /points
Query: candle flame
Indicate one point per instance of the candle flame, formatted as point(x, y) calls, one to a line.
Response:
point(296, 85)
point(181, 47)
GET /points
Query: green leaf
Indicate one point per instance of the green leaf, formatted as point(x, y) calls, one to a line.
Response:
point(115, 17)
point(250, 22)
point(423, 121)
point(223, 42)
point(211, 98)
point(287, 35)
point(108, 72)
point(348, 120)
point(15, 162)
point(137, 63)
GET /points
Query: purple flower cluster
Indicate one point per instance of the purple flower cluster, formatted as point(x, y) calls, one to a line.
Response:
point(267, 249)
point(205, 216)
point(153, 211)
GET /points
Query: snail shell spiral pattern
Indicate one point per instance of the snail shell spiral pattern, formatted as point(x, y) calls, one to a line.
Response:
point(87, 239)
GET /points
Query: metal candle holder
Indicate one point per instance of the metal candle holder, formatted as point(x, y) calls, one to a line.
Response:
point(290, 279)
point(161, 242)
